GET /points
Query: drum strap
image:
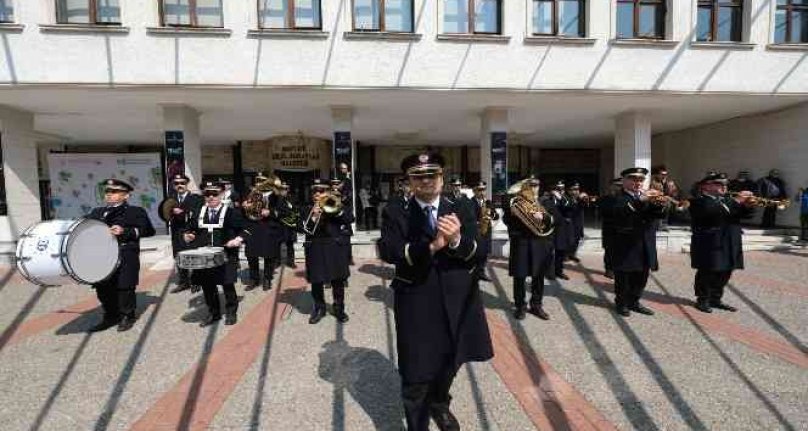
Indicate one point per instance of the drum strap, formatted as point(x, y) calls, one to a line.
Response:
point(203, 216)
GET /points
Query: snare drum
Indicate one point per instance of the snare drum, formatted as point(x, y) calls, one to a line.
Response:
point(58, 252)
point(201, 258)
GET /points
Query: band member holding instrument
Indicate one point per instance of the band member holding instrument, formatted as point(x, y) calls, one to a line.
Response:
point(288, 215)
point(344, 188)
point(217, 225)
point(579, 203)
point(266, 231)
point(564, 237)
point(530, 227)
point(716, 247)
point(327, 248)
point(230, 197)
point(486, 215)
point(661, 182)
point(401, 200)
point(607, 225)
point(129, 224)
point(633, 250)
point(187, 203)
point(743, 182)
point(771, 187)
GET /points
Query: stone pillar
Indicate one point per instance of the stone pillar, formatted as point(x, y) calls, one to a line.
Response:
point(20, 172)
point(181, 130)
point(494, 150)
point(632, 142)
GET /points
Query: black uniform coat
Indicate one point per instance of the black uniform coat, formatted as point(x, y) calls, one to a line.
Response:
point(530, 255)
point(285, 208)
point(634, 241)
point(266, 233)
point(577, 217)
point(438, 311)
point(136, 224)
point(327, 247)
point(606, 224)
point(564, 237)
point(478, 209)
point(716, 243)
point(179, 223)
point(232, 227)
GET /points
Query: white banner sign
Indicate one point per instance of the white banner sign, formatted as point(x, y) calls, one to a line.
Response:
point(76, 177)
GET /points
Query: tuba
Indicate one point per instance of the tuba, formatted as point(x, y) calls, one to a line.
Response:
point(329, 203)
point(524, 204)
point(253, 204)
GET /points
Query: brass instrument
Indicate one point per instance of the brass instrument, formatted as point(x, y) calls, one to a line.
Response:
point(759, 202)
point(290, 216)
point(329, 203)
point(657, 197)
point(485, 218)
point(524, 204)
point(254, 205)
point(587, 198)
point(166, 209)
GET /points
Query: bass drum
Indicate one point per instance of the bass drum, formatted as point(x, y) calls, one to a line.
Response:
point(59, 252)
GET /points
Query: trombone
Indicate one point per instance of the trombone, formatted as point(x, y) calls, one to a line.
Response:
point(329, 203)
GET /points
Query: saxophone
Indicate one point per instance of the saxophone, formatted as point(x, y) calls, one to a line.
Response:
point(524, 204)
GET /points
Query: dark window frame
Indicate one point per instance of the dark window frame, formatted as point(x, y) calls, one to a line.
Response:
point(194, 19)
point(715, 7)
point(636, 18)
point(556, 21)
point(790, 7)
point(92, 8)
point(471, 19)
point(382, 23)
point(289, 18)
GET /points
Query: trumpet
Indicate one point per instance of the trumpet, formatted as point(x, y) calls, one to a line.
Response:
point(657, 197)
point(329, 203)
point(587, 198)
point(759, 202)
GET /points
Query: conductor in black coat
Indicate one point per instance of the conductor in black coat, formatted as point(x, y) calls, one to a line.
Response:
point(564, 236)
point(217, 225)
point(189, 203)
point(327, 249)
point(633, 249)
point(440, 322)
point(480, 204)
point(716, 247)
point(128, 223)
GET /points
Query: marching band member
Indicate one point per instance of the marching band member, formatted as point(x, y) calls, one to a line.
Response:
point(716, 247)
point(564, 236)
point(633, 214)
point(401, 200)
point(189, 203)
point(217, 225)
point(261, 210)
point(486, 215)
point(129, 224)
point(531, 254)
point(607, 225)
point(288, 215)
point(343, 187)
point(579, 204)
point(230, 197)
point(440, 323)
point(327, 248)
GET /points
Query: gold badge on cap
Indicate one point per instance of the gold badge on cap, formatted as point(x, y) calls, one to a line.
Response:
point(423, 158)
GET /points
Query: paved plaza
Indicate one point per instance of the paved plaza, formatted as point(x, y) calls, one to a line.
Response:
point(586, 369)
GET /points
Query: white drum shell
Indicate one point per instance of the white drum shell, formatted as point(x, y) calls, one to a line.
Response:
point(201, 258)
point(59, 252)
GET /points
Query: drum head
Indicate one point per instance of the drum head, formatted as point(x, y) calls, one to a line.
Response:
point(91, 252)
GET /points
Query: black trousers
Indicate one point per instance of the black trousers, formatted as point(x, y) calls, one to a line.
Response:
point(269, 268)
point(290, 251)
point(371, 216)
point(116, 301)
point(607, 259)
point(769, 217)
point(628, 287)
point(420, 397)
point(709, 285)
point(558, 266)
point(212, 298)
point(536, 290)
point(337, 290)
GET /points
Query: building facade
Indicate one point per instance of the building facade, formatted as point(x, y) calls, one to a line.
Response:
point(565, 88)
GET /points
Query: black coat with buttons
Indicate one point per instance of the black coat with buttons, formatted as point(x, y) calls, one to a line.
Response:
point(716, 243)
point(633, 238)
point(136, 224)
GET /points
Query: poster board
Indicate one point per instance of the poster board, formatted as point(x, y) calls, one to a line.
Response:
point(76, 177)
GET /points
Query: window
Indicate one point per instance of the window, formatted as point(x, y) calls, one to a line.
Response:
point(719, 20)
point(383, 15)
point(289, 14)
point(641, 19)
point(559, 17)
point(6, 11)
point(791, 21)
point(472, 16)
point(192, 13)
point(97, 12)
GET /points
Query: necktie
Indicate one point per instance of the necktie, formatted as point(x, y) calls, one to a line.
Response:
point(182, 198)
point(433, 227)
point(212, 214)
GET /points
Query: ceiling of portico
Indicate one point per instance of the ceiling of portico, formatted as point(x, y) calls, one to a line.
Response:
point(392, 116)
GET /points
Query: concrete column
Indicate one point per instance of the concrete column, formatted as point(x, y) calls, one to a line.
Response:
point(20, 172)
point(180, 121)
point(632, 142)
point(494, 127)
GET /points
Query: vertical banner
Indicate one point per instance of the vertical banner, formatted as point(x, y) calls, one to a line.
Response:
point(342, 150)
point(499, 163)
point(175, 156)
point(3, 204)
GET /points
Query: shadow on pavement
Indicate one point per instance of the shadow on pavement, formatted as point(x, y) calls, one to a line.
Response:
point(777, 326)
point(20, 317)
point(86, 320)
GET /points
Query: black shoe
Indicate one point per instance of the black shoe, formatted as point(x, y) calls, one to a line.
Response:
point(642, 310)
point(538, 311)
point(252, 285)
point(484, 277)
point(210, 320)
point(317, 314)
point(574, 259)
point(444, 419)
point(104, 324)
point(723, 306)
point(519, 313)
point(195, 288)
point(622, 310)
point(339, 313)
point(563, 276)
point(267, 285)
point(180, 288)
point(230, 319)
point(609, 274)
point(126, 323)
point(703, 306)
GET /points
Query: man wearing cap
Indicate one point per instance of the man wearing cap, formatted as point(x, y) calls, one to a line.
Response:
point(440, 323)
point(573, 194)
point(287, 213)
point(128, 223)
point(771, 187)
point(564, 236)
point(402, 196)
point(661, 181)
point(480, 204)
point(345, 190)
point(530, 255)
point(266, 232)
point(744, 182)
point(327, 249)
point(230, 197)
point(217, 225)
point(634, 255)
point(716, 246)
point(189, 203)
point(607, 225)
